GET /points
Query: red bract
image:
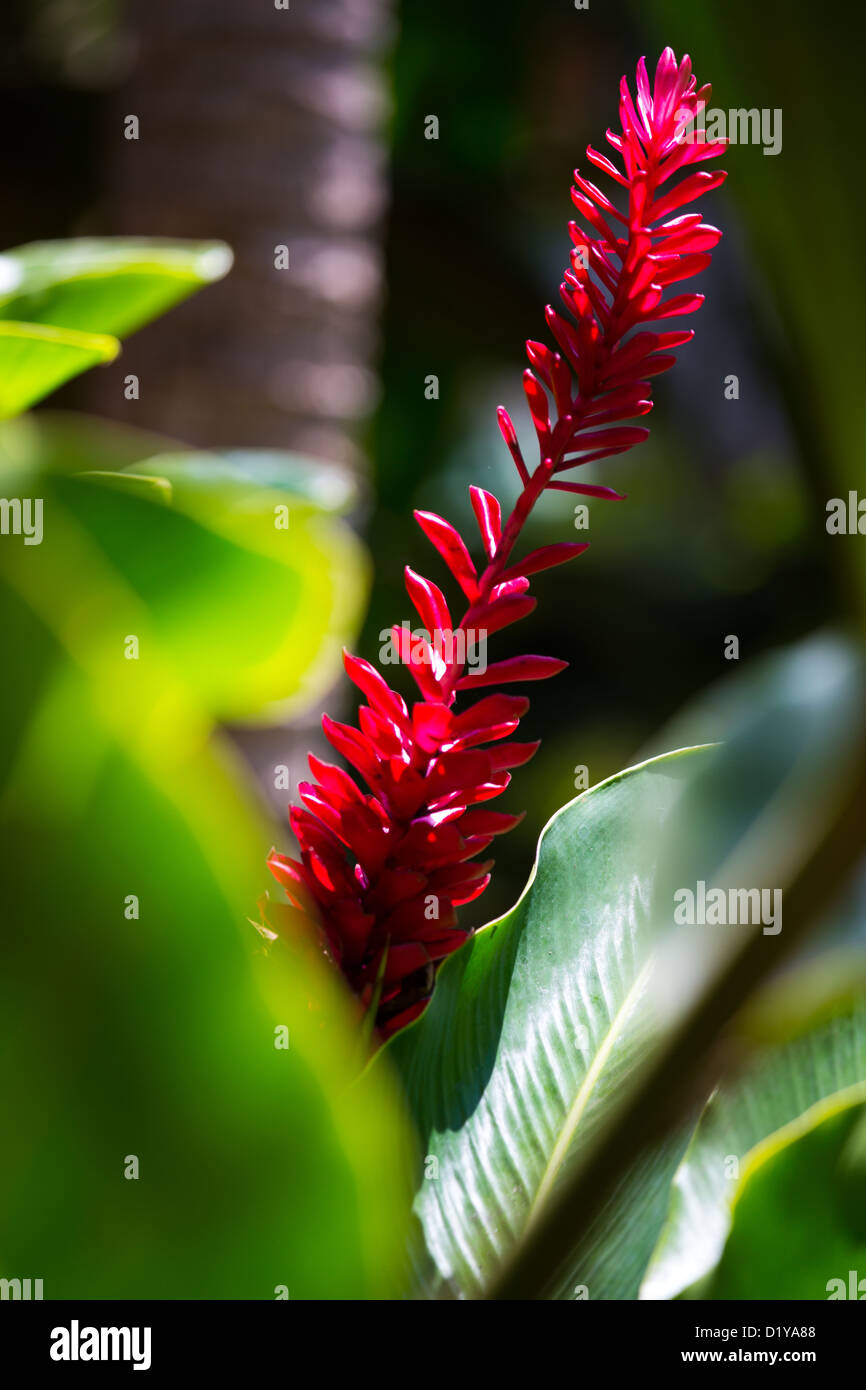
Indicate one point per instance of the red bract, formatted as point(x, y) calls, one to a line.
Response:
point(383, 869)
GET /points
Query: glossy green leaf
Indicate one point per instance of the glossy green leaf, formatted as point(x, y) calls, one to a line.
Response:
point(251, 589)
point(799, 1218)
point(254, 613)
point(542, 1026)
point(747, 818)
point(777, 1088)
point(533, 1026)
point(155, 488)
point(231, 474)
point(141, 1012)
point(113, 285)
point(35, 359)
point(67, 441)
point(789, 723)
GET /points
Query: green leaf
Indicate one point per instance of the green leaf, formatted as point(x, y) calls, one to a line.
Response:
point(777, 1088)
point(232, 474)
point(150, 1034)
point(789, 720)
point(532, 1028)
point(524, 1073)
point(252, 616)
point(114, 285)
point(799, 1221)
point(155, 488)
point(58, 441)
point(35, 360)
point(67, 441)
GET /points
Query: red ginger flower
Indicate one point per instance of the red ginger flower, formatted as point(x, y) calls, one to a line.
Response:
point(383, 870)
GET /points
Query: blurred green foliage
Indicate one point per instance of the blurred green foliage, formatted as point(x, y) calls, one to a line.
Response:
point(799, 1218)
point(35, 360)
point(249, 586)
point(64, 304)
point(185, 1117)
point(777, 1091)
point(113, 285)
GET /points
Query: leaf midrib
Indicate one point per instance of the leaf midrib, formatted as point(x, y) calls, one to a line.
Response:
point(578, 1106)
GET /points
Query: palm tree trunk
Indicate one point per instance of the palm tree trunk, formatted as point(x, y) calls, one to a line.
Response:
point(260, 126)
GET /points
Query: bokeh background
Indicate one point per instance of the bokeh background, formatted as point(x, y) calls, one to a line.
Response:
point(412, 257)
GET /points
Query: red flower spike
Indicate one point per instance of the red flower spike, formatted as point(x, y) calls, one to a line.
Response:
point(384, 865)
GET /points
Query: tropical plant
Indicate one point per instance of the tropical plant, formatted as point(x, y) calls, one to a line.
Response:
point(574, 1142)
point(384, 871)
point(601, 1097)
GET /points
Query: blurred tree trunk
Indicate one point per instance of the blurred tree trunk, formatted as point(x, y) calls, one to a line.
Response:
point(260, 126)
